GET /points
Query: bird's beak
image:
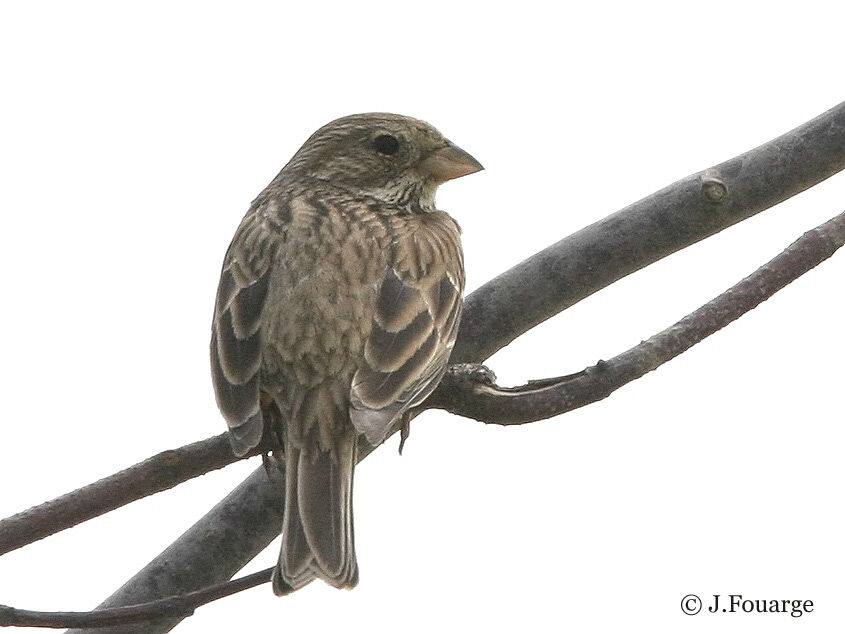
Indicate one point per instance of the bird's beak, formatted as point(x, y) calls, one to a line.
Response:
point(449, 162)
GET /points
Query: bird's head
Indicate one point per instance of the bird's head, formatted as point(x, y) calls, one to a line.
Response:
point(397, 160)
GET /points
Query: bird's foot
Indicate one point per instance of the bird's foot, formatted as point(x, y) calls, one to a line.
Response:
point(476, 373)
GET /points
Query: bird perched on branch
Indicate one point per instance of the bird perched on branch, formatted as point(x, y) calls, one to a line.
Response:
point(337, 310)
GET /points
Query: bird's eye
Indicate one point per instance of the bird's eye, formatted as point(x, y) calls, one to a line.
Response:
point(386, 144)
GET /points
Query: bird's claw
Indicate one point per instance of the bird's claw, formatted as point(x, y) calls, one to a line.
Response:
point(405, 431)
point(476, 373)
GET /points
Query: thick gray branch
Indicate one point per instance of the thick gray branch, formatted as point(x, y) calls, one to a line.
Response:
point(511, 304)
point(245, 522)
point(681, 214)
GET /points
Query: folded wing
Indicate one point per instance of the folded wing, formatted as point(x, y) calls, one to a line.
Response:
point(412, 336)
point(237, 337)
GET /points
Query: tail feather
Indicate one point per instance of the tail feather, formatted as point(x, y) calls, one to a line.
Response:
point(317, 534)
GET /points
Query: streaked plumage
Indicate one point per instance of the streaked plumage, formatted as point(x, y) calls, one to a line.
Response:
point(337, 310)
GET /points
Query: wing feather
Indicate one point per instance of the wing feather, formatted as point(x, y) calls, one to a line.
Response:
point(237, 337)
point(413, 332)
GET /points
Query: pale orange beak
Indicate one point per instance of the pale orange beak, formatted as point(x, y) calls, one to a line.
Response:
point(449, 162)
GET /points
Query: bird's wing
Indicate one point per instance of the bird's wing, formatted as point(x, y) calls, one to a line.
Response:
point(413, 332)
point(237, 336)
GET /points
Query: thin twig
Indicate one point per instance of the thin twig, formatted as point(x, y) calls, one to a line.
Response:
point(461, 393)
point(155, 474)
point(177, 606)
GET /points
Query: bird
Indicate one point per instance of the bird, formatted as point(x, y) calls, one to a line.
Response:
point(337, 309)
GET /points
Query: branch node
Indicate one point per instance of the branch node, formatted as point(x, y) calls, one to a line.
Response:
point(713, 188)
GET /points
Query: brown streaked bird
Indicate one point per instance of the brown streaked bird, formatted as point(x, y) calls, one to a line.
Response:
point(337, 310)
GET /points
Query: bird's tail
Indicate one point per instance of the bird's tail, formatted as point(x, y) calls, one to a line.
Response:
point(317, 534)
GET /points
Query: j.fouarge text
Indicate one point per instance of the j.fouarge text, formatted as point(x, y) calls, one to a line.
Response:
point(736, 603)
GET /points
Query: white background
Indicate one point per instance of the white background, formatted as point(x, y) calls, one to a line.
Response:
point(132, 143)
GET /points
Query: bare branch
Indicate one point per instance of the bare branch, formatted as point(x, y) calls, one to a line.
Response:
point(255, 506)
point(461, 393)
point(157, 473)
point(177, 606)
point(675, 217)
